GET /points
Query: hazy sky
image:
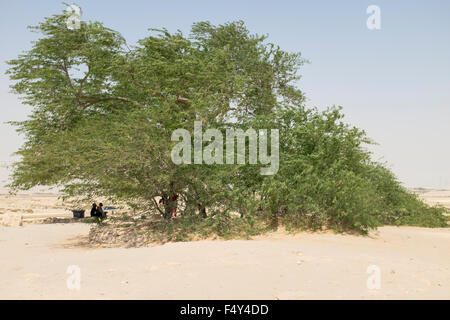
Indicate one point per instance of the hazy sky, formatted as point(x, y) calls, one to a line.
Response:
point(393, 82)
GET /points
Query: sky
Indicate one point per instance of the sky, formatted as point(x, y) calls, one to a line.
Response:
point(393, 82)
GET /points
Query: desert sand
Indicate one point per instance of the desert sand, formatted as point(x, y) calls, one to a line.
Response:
point(414, 262)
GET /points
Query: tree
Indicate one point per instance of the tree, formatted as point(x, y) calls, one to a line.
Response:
point(103, 115)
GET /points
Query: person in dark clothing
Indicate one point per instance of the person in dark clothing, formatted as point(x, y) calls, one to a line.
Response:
point(94, 210)
point(163, 202)
point(100, 212)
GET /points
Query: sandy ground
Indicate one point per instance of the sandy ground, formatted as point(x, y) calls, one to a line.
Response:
point(414, 264)
point(434, 197)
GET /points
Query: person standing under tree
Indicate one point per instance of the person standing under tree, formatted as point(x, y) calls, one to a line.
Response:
point(175, 205)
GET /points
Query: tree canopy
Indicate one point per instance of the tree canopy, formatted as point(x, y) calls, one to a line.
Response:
point(103, 113)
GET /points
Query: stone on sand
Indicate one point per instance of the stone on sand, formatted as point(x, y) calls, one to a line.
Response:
point(11, 219)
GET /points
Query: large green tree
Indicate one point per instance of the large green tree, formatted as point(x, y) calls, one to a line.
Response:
point(103, 114)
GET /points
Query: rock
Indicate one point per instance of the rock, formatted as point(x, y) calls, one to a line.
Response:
point(11, 219)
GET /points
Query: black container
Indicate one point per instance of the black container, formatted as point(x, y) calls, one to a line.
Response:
point(78, 213)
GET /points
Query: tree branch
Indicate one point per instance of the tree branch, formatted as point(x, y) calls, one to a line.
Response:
point(93, 100)
point(178, 99)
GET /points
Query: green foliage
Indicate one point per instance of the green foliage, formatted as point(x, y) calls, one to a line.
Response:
point(103, 114)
